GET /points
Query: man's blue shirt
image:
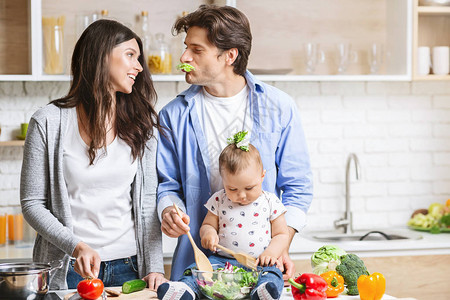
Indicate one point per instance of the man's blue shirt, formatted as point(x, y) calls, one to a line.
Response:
point(183, 160)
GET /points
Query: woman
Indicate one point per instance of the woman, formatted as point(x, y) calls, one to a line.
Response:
point(88, 182)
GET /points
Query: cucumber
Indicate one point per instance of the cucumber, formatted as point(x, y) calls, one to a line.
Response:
point(133, 286)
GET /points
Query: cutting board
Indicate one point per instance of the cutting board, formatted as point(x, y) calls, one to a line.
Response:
point(144, 294)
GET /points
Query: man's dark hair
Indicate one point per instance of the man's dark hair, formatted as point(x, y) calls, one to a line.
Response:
point(227, 28)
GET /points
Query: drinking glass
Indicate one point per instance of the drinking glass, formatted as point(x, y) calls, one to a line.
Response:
point(3, 218)
point(375, 57)
point(313, 56)
point(345, 56)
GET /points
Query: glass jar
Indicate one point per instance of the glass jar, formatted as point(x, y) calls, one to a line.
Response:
point(144, 32)
point(53, 44)
point(160, 58)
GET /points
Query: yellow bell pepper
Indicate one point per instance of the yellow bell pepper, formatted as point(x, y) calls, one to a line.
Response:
point(335, 283)
point(371, 287)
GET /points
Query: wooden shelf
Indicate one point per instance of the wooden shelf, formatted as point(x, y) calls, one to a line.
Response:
point(433, 10)
point(432, 77)
point(12, 143)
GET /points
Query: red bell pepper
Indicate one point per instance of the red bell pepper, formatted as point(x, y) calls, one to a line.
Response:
point(309, 286)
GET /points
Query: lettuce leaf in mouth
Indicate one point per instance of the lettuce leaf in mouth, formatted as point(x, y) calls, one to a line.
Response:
point(186, 67)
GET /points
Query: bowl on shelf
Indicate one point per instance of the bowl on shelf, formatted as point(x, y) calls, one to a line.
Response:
point(228, 284)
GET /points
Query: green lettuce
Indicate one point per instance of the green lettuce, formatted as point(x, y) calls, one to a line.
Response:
point(327, 258)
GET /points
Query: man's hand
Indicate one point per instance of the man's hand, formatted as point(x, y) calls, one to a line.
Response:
point(154, 280)
point(288, 265)
point(87, 262)
point(172, 225)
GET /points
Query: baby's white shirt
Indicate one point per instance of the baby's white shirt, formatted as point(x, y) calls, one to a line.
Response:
point(245, 228)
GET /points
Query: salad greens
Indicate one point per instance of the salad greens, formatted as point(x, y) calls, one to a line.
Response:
point(228, 283)
point(185, 67)
point(326, 259)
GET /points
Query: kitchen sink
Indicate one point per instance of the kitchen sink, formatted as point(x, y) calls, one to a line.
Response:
point(375, 235)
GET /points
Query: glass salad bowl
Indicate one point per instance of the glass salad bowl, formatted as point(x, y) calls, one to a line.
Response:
point(228, 283)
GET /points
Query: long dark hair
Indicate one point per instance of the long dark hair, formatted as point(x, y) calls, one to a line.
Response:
point(227, 28)
point(136, 117)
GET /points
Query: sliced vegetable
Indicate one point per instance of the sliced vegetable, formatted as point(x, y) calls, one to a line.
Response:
point(335, 283)
point(90, 289)
point(371, 287)
point(133, 286)
point(326, 258)
point(186, 67)
point(308, 286)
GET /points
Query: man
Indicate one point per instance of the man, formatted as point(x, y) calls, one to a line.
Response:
point(225, 98)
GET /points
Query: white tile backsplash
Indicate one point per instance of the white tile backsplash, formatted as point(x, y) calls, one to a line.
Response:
point(399, 130)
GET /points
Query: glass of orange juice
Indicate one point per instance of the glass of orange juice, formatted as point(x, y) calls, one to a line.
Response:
point(15, 228)
point(2, 229)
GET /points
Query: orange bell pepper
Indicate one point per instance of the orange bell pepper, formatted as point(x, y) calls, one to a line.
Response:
point(371, 287)
point(335, 283)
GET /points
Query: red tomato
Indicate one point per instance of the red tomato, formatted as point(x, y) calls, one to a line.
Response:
point(90, 289)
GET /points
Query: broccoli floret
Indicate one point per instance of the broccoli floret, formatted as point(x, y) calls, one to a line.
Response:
point(351, 268)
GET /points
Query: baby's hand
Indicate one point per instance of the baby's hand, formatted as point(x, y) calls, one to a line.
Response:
point(210, 240)
point(266, 260)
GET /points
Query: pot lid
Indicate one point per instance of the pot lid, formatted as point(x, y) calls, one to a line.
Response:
point(23, 268)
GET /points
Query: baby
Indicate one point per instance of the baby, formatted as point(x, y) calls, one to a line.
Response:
point(243, 218)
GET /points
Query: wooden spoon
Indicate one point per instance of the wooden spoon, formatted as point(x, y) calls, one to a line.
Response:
point(201, 260)
point(242, 258)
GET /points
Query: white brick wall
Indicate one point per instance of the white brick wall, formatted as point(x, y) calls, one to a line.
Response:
point(399, 130)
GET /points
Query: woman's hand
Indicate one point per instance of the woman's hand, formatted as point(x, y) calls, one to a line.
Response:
point(87, 262)
point(172, 225)
point(154, 280)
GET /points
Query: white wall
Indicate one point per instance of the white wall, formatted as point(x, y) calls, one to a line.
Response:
point(399, 130)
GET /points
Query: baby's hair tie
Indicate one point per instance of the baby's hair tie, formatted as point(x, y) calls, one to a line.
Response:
point(240, 139)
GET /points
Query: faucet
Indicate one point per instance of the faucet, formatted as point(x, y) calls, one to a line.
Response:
point(347, 221)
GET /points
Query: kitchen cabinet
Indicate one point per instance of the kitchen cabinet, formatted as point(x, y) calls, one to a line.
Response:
point(280, 32)
point(431, 28)
point(21, 44)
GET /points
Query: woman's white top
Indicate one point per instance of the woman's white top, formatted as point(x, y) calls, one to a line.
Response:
point(221, 118)
point(99, 194)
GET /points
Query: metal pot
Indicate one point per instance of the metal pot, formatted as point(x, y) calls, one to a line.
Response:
point(25, 280)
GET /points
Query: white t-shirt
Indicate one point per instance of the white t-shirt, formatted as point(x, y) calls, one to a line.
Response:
point(100, 194)
point(221, 118)
point(245, 228)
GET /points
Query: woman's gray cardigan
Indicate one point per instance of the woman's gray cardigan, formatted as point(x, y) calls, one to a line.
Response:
point(45, 204)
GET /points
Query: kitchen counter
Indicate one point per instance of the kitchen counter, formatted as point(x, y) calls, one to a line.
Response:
point(303, 247)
